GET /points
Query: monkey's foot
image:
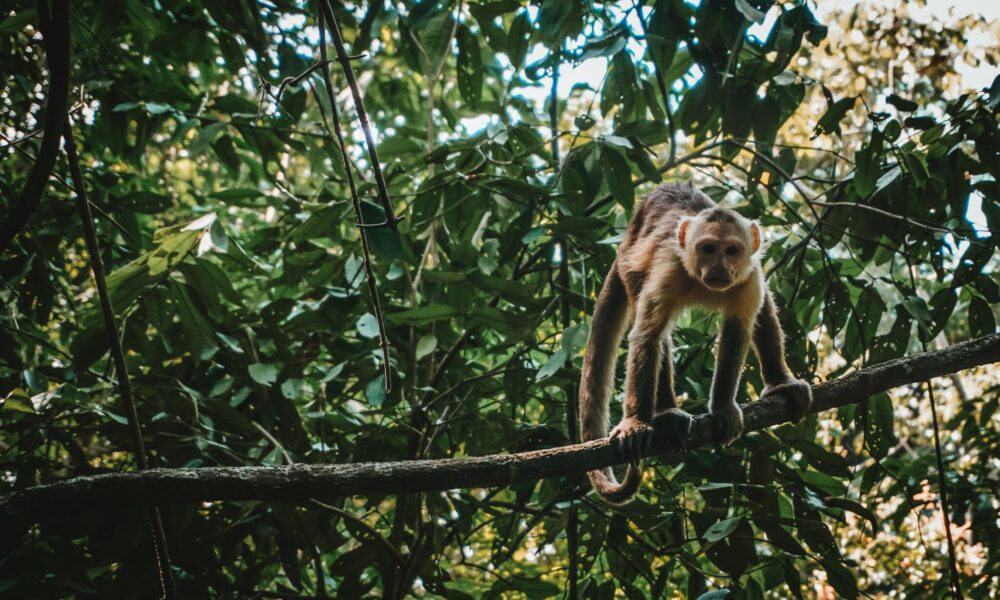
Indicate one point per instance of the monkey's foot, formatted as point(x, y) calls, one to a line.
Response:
point(632, 438)
point(727, 424)
point(797, 394)
point(672, 426)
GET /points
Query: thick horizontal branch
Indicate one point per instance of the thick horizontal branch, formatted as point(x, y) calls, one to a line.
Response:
point(301, 482)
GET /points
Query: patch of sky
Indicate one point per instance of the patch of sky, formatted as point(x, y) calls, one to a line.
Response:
point(760, 31)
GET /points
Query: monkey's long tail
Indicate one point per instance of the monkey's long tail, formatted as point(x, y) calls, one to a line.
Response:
point(611, 490)
point(597, 382)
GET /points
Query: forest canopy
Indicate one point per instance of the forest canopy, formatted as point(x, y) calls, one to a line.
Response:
point(302, 237)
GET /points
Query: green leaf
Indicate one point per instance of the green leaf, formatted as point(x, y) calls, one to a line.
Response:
point(517, 39)
point(444, 276)
point(469, 67)
point(488, 10)
point(384, 242)
point(619, 177)
point(993, 100)
point(425, 345)
point(500, 320)
point(222, 386)
point(499, 285)
point(320, 224)
point(584, 122)
point(822, 459)
point(607, 45)
point(854, 507)
point(892, 130)
point(877, 417)
point(422, 315)
point(766, 120)
point(681, 64)
point(830, 121)
point(840, 577)
point(117, 418)
point(232, 51)
point(981, 321)
point(722, 529)
point(887, 178)
point(867, 171)
point(738, 112)
point(397, 147)
point(916, 167)
point(263, 373)
point(932, 135)
point(156, 108)
point(516, 188)
point(226, 152)
point(535, 588)
point(375, 391)
point(942, 305)
point(861, 329)
point(147, 202)
point(555, 362)
point(777, 535)
point(574, 338)
point(836, 307)
point(17, 401)
point(902, 103)
point(554, 18)
point(435, 37)
point(917, 307)
point(126, 106)
point(367, 326)
point(920, 122)
point(715, 594)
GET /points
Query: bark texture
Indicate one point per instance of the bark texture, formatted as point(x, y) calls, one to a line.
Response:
point(303, 481)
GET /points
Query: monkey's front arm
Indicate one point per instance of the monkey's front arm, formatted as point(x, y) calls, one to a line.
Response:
point(727, 418)
point(778, 379)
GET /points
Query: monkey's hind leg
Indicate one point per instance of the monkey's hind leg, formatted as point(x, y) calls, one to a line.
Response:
point(671, 425)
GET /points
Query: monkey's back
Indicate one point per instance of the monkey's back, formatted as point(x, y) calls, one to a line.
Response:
point(658, 214)
point(651, 233)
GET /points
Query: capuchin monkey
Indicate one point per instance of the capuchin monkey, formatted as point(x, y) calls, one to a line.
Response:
point(680, 249)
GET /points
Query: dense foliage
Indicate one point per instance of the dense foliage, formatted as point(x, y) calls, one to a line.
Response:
point(238, 279)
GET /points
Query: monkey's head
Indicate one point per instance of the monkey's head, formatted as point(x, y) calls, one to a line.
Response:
point(718, 247)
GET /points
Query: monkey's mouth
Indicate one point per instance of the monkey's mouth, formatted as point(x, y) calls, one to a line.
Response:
point(717, 282)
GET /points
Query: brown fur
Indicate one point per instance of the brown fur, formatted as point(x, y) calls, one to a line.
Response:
point(680, 249)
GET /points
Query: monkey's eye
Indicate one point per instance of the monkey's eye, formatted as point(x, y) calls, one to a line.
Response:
point(732, 251)
point(708, 249)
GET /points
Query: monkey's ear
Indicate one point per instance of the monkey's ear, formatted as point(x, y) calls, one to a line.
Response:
point(755, 233)
point(682, 230)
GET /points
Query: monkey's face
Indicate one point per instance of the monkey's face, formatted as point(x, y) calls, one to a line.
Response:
point(719, 254)
point(721, 261)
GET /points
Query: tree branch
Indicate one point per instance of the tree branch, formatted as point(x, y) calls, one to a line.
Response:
point(301, 482)
point(391, 220)
point(160, 551)
point(383, 338)
point(55, 35)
